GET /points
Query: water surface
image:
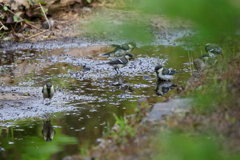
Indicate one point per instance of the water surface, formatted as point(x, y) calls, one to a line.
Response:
point(86, 99)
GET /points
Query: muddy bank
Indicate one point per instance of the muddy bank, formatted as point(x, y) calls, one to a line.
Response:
point(50, 44)
point(174, 37)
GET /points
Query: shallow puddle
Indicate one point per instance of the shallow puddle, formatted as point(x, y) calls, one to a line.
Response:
point(85, 101)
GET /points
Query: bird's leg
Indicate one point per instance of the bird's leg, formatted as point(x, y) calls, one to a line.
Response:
point(119, 71)
point(50, 101)
point(116, 70)
point(47, 101)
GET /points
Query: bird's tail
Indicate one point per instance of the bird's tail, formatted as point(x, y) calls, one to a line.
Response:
point(116, 45)
point(108, 53)
point(179, 72)
point(101, 63)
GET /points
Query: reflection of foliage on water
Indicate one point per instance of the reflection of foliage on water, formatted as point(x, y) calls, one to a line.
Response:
point(34, 147)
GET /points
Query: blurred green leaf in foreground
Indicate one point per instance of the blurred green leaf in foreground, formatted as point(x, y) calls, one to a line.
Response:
point(213, 18)
point(184, 147)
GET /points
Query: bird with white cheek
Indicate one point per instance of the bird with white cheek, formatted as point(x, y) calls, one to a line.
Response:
point(165, 74)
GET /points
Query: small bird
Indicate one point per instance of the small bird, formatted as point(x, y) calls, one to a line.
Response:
point(213, 49)
point(200, 65)
point(165, 74)
point(120, 50)
point(48, 90)
point(120, 62)
point(208, 59)
point(48, 131)
point(85, 68)
point(204, 62)
point(48, 24)
point(120, 83)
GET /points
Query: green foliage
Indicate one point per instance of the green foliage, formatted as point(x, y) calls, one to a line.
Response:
point(124, 128)
point(122, 131)
point(16, 18)
point(103, 27)
point(5, 8)
point(182, 146)
point(42, 2)
point(35, 147)
point(212, 17)
point(33, 2)
point(208, 96)
point(45, 150)
point(89, 1)
point(2, 34)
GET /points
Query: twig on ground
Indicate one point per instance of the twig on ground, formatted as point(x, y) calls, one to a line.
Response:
point(3, 26)
point(35, 35)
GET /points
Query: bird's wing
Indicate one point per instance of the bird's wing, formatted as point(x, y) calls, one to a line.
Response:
point(211, 50)
point(116, 45)
point(107, 54)
point(171, 71)
point(218, 50)
point(168, 71)
point(118, 61)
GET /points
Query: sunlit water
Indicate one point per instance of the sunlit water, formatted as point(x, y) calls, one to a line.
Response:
point(89, 98)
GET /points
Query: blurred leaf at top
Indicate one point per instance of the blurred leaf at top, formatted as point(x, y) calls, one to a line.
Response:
point(115, 26)
point(212, 17)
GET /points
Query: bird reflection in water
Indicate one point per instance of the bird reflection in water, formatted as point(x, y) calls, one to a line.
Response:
point(48, 131)
point(163, 87)
point(120, 83)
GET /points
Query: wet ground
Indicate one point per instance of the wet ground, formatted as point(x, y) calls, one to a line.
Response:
point(87, 95)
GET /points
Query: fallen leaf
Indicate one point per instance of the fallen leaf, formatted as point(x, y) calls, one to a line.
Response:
point(7, 38)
